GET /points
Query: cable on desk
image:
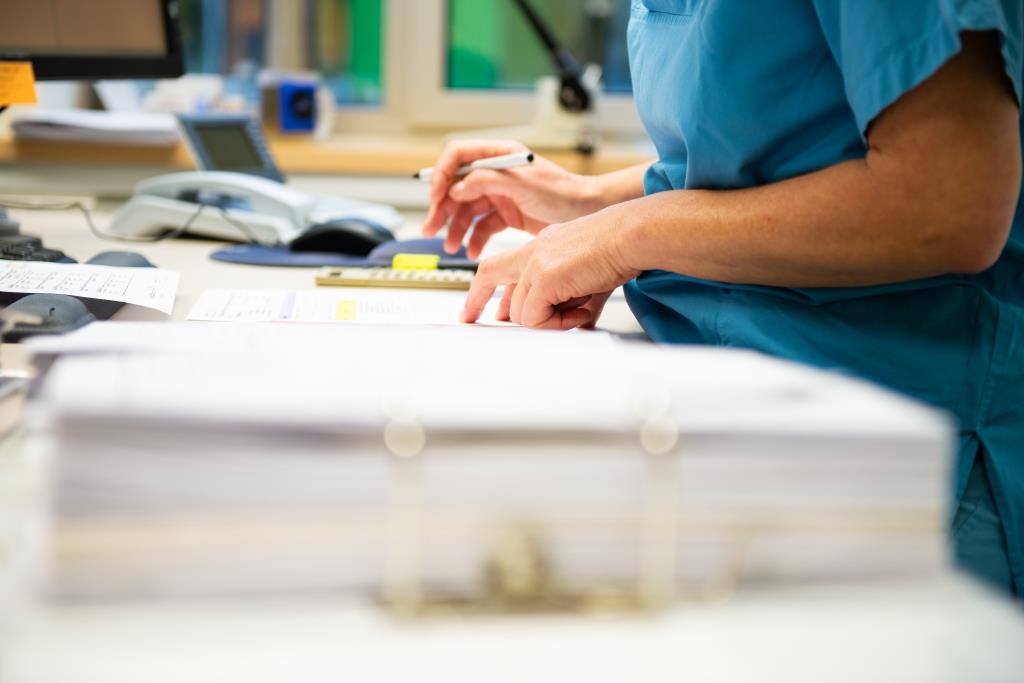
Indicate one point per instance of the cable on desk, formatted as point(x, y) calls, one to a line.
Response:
point(239, 225)
point(87, 215)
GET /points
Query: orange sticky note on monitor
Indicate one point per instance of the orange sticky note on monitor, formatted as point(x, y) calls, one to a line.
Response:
point(17, 83)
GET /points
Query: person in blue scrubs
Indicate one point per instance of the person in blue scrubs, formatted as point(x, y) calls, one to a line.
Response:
point(838, 182)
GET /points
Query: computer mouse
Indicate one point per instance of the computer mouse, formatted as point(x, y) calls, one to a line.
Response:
point(352, 236)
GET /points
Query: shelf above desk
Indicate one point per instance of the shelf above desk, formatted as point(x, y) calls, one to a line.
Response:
point(341, 155)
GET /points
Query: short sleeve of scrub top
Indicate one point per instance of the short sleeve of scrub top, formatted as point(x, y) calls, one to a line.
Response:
point(741, 94)
point(885, 48)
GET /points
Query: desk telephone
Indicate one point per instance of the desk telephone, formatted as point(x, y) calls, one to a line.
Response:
point(237, 177)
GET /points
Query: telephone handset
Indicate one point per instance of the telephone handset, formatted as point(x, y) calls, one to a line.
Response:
point(238, 178)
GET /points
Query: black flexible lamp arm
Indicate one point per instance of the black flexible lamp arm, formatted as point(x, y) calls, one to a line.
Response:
point(572, 94)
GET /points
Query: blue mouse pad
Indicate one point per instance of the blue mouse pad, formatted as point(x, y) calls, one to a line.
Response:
point(259, 255)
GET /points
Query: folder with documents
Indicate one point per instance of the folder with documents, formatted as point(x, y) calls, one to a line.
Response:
point(226, 466)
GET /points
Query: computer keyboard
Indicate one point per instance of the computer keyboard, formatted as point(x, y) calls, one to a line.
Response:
point(59, 313)
point(28, 248)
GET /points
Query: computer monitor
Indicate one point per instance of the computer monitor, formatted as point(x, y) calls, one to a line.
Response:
point(92, 39)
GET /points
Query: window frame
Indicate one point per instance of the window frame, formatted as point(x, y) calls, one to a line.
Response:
point(438, 106)
point(414, 74)
point(285, 22)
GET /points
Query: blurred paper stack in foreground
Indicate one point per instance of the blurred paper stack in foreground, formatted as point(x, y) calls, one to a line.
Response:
point(474, 464)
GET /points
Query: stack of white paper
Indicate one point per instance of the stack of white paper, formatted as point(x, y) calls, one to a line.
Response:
point(214, 458)
point(83, 125)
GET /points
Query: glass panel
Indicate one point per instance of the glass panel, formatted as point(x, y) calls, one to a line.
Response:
point(342, 41)
point(223, 36)
point(345, 47)
point(491, 45)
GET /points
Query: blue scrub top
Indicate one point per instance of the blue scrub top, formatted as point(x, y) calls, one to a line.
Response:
point(737, 94)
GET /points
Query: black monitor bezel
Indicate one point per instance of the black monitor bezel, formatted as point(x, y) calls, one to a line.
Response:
point(94, 67)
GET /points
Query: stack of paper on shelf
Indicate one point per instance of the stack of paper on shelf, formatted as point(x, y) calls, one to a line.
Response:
point(205, 458)
point(83, 125)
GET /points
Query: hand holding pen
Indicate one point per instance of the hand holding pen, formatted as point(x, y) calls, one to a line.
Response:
point(498, 163)
point(483, 187)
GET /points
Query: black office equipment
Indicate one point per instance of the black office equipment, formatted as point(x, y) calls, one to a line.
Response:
point(239, 181)
point(143, 43)
point(60, 313)
point(572, 94)
point(229, 142)
point(351, 236)
point(28, 248)
point(147, 46)
point(566, 104)
point(8, 226)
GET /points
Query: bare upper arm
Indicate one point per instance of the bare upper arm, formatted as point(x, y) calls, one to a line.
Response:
point(951, 148)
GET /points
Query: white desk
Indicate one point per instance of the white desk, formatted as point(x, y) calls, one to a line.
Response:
point(67, 231)
point(937, 630)
point(946, 631)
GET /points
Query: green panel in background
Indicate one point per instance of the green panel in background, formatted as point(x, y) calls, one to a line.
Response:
point(346, 47)
point(490, 44)
point(367, 29)
point(476, 48)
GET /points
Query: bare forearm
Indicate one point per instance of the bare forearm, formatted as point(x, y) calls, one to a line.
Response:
point(935, 193)
point(616, 187)
point(844, 226)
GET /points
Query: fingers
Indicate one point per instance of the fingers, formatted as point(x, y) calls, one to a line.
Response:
point(539, 312)
point(577, 302)
point(446, 198)
point(534, 296)
point(516, 307)
point(461, 152)
point(457, 227)
point(564, 316)
point(536, 308)
point(509, 212)
point(567, 320)
point(481, 183)
point(505, 305)
point(481, 191)
point(496, 271)
point(438, 215)
point(596, 307)
point(482, 231)
point(460, 222)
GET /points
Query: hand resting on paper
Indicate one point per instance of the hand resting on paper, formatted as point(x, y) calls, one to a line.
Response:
point(533, 198)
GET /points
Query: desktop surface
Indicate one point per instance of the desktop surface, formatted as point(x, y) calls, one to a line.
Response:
point(943, 630)
point(67, 231)
point(935, 629)
point(190, 257)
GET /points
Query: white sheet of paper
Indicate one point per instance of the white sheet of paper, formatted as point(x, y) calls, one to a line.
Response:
point(113, 337)
point(336, 304)
point(454, 377)
point(148, 287)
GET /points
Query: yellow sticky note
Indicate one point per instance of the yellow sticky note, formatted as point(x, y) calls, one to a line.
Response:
point(415, 261)
point(345, 309)
point(17, 83)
